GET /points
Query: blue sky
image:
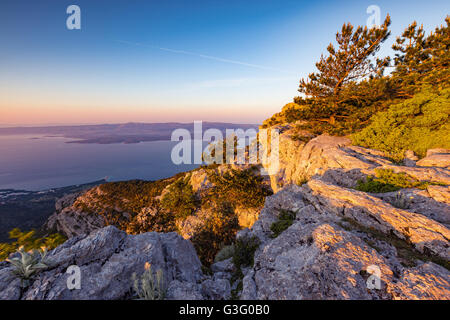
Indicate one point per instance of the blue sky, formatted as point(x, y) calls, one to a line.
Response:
point(156, 61)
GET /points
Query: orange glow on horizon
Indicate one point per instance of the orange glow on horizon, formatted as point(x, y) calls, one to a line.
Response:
point(20, 115)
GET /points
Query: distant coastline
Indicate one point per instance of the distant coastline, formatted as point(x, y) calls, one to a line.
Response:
point(127, 133)
point(27, 210)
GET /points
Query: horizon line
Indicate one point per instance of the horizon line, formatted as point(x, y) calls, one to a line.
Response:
point(37, 125)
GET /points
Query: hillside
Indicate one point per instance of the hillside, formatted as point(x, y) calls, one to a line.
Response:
point(313, 239)
point(30, 209)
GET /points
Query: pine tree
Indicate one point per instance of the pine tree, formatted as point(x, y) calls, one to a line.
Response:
point(421, 60)
point(353, 61)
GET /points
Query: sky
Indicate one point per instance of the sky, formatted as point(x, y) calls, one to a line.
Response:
point(160, 61)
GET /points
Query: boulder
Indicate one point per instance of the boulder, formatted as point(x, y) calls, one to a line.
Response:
point(107, 258)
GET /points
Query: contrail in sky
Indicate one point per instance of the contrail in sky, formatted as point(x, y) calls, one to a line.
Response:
point(206, 57)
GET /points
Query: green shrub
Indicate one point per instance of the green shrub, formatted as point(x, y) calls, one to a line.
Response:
point(127, 196)
point(29, 240)
point(244, 252)
point(417, 124)
point(241, 188)
point(285, 220)
point(386, 180)
point(225, 253)
point(401, 179)
point(235, 292)
point(180, 199)
point(374, 185)
point(218, 230)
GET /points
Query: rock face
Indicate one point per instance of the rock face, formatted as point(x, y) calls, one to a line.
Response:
point(343, 241)
point(425, 234)
point(436, 158)
point(71, 219)
point(343, 164)
point(107, 259)
point(432, 202)
point(339, 239)
point(82, 213)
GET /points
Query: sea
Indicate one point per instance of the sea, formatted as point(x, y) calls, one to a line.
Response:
point(35, 163)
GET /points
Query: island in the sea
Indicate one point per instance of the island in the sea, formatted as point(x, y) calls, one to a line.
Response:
point(119, 133)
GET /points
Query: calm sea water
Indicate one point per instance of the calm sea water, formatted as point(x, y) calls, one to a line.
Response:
point(49, 162)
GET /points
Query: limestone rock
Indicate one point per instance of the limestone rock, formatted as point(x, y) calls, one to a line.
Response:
point(199, 180)
point(179, 290)
point(247, 216)
point(432, 203)
point(222, 266)
point(433, 174)
point(299, 161)
point(324, 254)
point(107, 259)
point(428, 281)
point(430, 152)
point(436, 158)
point(440, 193)
point(335, 159)
point(410, 158)
point(72, 216)
point(315, 261)
point(426, 234)
point(218, 289)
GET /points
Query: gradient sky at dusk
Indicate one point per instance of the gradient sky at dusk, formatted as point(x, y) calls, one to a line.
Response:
point(158, 61)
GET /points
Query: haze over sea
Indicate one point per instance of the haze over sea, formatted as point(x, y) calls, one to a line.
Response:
point(32, 162)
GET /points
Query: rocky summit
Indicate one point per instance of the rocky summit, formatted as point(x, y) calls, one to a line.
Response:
point(344, 222)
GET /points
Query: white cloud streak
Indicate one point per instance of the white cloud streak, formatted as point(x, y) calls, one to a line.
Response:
point(203, 56)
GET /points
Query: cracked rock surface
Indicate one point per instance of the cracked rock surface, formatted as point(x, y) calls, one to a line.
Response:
point(107, 259)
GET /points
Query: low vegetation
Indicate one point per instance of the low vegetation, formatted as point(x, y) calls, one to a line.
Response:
point(285, 219)
point(243, 256)
point(225, 253)
point(29, 240)
point(218, 230)
point(130, 196)
point(386, 180)
point(231, 190)
point(241, 188)
point(401, 201)
point(244, 252)
point(416, 124)
point(180, 199)
point(143, 206)
point(29, 263)
point(149, 286)
point(158, 221)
